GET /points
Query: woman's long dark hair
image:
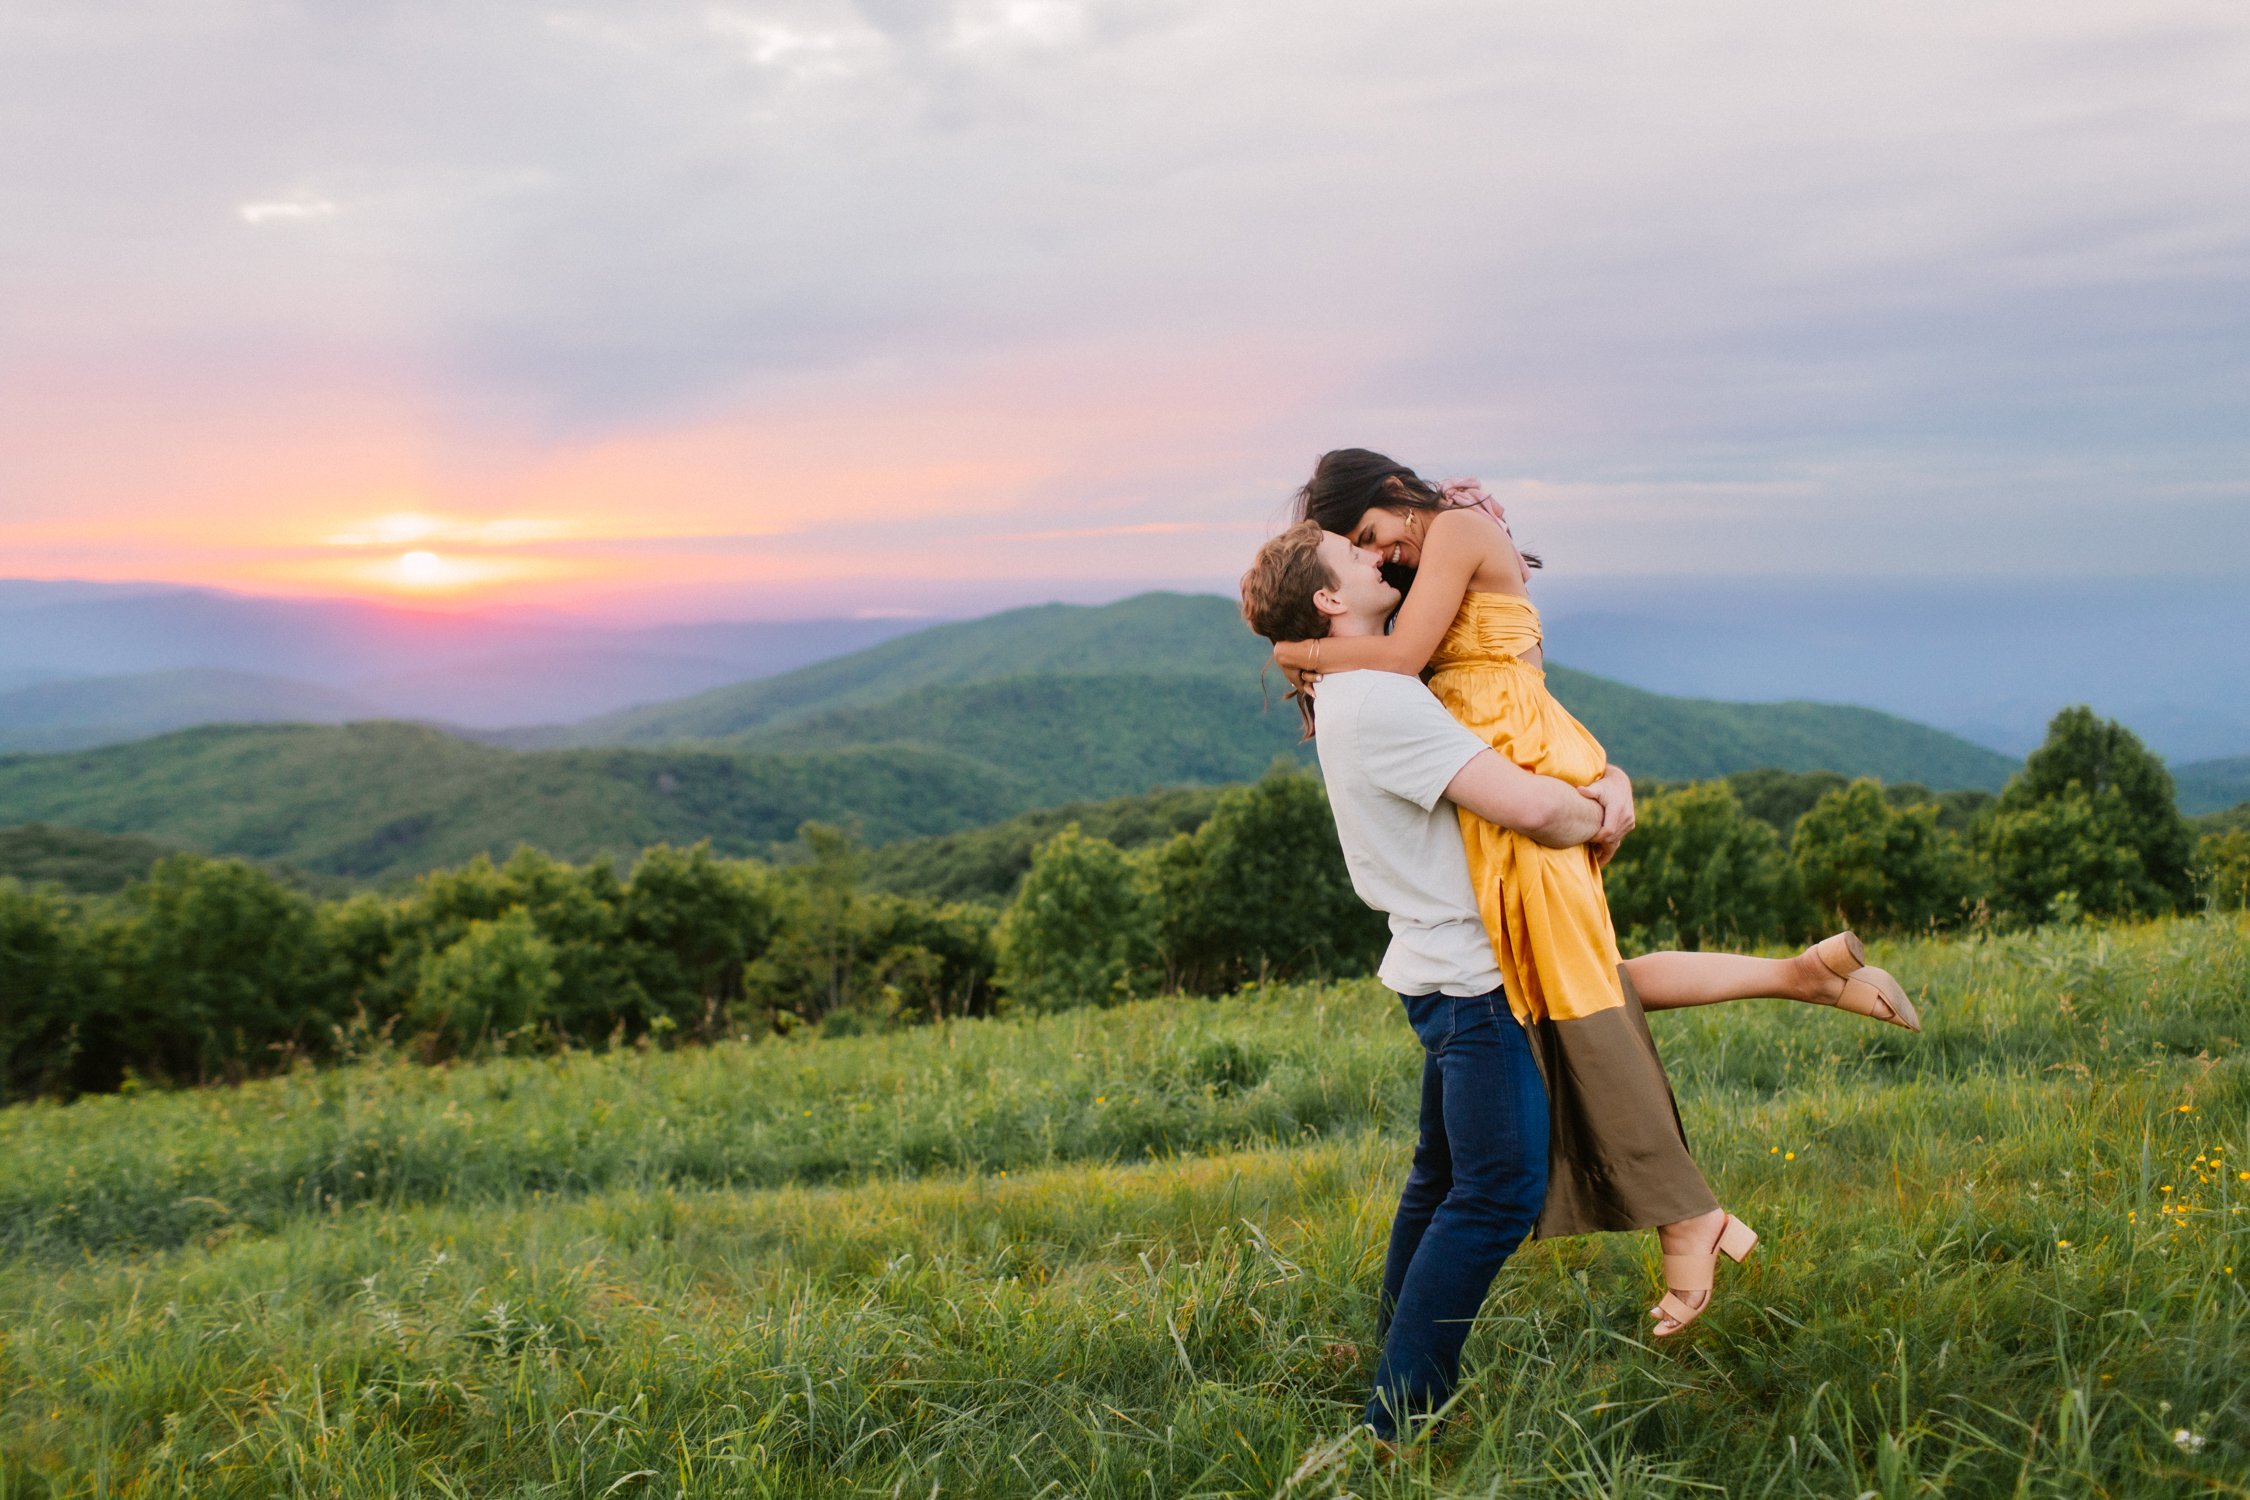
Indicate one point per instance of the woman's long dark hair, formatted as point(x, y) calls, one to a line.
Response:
point(1347, 483)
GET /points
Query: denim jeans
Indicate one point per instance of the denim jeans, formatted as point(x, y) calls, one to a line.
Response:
point(1479, 1178)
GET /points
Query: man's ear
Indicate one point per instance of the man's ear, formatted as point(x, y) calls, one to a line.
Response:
point(1327, 603)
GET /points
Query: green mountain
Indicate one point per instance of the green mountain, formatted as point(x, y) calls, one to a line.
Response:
point(1063, 738)
point(897, 693)
point(927, 734)
point(104, 710)
point(374, 801)
point(985, 864)
point(1681, 739)
point(1163, 634)
point(77, 859)
point(1094, 736)
point(2208, 786)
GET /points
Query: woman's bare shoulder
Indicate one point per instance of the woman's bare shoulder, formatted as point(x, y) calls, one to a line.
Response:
point(1471, 529)
point(1499, 567)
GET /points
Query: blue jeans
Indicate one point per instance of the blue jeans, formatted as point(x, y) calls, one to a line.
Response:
point(1479, 1178)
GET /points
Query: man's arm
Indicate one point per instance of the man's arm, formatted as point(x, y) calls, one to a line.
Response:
point(1541, 808)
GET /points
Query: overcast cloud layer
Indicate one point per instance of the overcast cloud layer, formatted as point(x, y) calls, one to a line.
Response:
point(787, 308)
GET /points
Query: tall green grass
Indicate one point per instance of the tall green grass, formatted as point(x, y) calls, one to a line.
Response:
point(1132, 1253)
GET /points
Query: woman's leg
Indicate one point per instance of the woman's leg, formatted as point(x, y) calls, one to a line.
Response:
point(1668, 981)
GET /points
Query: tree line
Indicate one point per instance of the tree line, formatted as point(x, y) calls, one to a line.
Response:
point(216, 969)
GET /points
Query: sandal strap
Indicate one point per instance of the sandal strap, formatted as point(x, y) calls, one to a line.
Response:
point(1840, 954)
point(1691, 1273)
point(1677, 1310)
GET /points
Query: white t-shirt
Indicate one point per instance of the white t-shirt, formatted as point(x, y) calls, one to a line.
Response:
point(1388, 750)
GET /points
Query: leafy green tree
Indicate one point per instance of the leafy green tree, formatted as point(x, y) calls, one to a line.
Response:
point(1081, 930)
point(1699, 871)
point(692, 922)
point(1874, 864)
point(815, 962)
point(492, 984)
point(2089, 824)
point(221, 964)
point(931, 961)
point(2222, 864)
point(359, 941)
point(2063, 857)
point(50, 997)
point(578, 910)
point(1261, 890)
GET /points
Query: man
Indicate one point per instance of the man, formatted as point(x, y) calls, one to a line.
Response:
point(1397, 765)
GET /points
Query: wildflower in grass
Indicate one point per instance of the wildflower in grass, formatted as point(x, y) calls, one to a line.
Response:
point(2062, 1244)
point(1788, 1156)
point(2188, 1442)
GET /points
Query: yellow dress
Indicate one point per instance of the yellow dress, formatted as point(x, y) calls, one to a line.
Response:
point(1618, 1158)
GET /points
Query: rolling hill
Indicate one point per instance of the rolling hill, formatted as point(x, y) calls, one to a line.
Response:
point(906, 691)
point(2209, 786)
point(105, 710)
point(375, 801)
point(951, 728)
point(1160, 634)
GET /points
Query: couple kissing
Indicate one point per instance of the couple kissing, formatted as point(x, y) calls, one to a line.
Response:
point(1478, 814)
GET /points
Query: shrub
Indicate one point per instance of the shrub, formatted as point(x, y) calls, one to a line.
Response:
point(2222, 867)
point(841, 952)
point(2089, 825)
point(493, 983)
point(577, 909)
point(1261, 891)
point(1082, 930)
point(219, 964)
point(1699, 871)
point(48, 996)
point(1876, 865)
point(691, 923)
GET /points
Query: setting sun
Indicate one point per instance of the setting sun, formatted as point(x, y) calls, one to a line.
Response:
point(423, 570)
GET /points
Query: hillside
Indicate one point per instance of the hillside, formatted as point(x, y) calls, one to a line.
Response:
point(383, 800)
point(985, 864)
point(1141, 1243)
point(77, 859)
point(1676, 739)
point(103, 710)
point(1071, 737)
point(2208, 786)
point(970, 738)
point(1168, 634)
point(900, 692)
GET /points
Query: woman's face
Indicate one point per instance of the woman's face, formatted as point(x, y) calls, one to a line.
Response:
point(1394, 535)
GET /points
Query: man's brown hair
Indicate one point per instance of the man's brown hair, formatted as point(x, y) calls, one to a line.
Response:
point(1277, 594)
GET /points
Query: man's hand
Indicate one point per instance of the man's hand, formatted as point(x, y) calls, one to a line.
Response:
point(1615, 794)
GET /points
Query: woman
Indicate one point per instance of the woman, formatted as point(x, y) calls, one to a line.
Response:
point(1620, 1160)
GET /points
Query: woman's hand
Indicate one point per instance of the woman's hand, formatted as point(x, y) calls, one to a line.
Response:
point(1296, 660)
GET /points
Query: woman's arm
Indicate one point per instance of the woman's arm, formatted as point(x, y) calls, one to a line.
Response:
point(1454, 548)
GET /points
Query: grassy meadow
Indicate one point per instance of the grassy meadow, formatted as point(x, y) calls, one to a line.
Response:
point(1132, 1253)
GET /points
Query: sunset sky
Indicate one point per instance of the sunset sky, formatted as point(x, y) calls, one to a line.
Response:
point(763, 311)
